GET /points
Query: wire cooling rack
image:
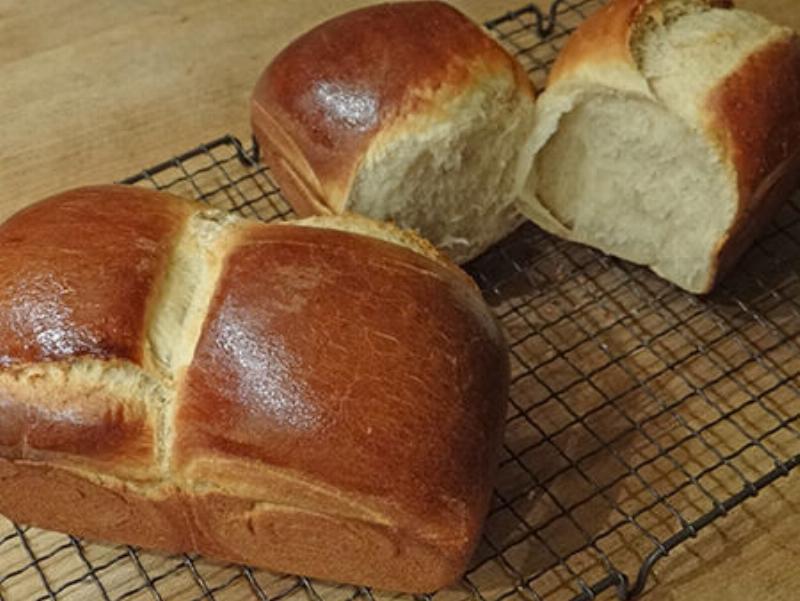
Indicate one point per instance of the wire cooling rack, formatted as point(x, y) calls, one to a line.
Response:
point(639, 414)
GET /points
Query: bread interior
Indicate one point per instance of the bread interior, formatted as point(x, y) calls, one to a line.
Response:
point(638, 176)
point(643, 198)
point(453, 173)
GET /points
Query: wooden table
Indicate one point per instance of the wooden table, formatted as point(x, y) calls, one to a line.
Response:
point(92, 92)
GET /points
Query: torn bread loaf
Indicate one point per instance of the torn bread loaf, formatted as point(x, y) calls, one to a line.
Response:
point(403, 112)
point(668, 135)
point(293, 397)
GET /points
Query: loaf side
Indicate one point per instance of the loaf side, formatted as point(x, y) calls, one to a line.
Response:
point(292, 397)
point(369, 379)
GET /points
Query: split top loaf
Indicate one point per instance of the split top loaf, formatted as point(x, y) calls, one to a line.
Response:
point(294, 397)
point(668, 135)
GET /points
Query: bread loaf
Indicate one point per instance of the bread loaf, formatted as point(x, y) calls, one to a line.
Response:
point(286, 396)
point(404, 112)
point(668, 135)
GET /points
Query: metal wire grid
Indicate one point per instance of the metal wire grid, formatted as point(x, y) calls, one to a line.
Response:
point(639, 414)
point(535, 37)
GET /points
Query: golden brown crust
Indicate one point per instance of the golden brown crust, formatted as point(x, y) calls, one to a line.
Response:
point(760, 128)
point(77, 273)
point(90, 428)
point(323, 99)
point(298, 183)
point(604, 37)
point(76, 281)
point(761, 121)
point(321, 354)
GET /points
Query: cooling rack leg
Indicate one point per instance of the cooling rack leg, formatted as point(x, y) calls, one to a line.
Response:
point(624, 592)
point(615, 580)
point(644, 573)
point(246, 159)
point(255, 154)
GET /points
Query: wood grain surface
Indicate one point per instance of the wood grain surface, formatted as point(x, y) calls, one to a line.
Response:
point(94, 91)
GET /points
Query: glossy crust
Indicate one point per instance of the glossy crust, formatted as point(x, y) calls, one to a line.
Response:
point(82, 426)
point(339, 417)
point(70, 259)
point(752, 116)
point(322, 100)
point(77, 274)
point(324, 357)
